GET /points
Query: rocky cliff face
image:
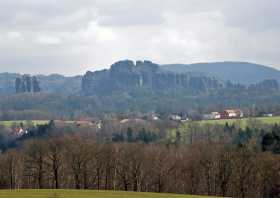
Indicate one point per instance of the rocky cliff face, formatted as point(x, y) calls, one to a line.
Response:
point(55, 84)
point(126, 76)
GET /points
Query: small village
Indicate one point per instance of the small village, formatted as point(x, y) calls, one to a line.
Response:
point(97, 124)
point(217, 115)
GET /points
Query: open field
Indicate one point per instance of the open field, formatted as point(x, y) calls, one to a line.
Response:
point(8, 124)
point(243, 121)
point(24, 122)
point(84, 194)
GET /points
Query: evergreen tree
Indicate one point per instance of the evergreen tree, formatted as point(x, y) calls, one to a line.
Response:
point(268, 142)
point(146, 136)
point(129, 134)
point(118, 137)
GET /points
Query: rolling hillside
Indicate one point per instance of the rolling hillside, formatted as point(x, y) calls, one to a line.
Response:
point(238, 72)
point(244, 122)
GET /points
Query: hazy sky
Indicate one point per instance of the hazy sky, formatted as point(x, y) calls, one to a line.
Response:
point(72, 36)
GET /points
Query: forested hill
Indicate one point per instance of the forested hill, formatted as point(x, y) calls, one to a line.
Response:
point(130, 87)
point(237, 72)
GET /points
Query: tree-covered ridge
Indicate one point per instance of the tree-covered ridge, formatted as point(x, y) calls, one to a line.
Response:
point(237, 72)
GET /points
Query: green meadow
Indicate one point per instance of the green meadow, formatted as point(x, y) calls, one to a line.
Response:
point(8, 124)
point(85, 194)
point(244, 121)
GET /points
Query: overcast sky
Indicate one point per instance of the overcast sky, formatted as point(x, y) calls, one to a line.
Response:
point(73, 36)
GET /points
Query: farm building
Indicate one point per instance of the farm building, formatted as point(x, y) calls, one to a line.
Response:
point(226, 114)
point(231, 113)
point(175, 117)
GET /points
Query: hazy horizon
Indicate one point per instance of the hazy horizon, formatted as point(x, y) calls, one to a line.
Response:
point(108, 67)
point(71, 37)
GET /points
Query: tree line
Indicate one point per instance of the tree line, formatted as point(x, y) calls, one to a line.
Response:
point(214, 160)
point(206, 169)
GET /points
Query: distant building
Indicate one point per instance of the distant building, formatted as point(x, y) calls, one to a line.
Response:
point(155, 118)
point(232, 113)
point(185, 119)
point(20, 131)
point(175, 117)
point(226, 114)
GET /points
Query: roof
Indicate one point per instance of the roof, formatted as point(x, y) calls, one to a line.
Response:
point(232, 110)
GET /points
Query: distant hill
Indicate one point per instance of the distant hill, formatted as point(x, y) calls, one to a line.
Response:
point(237, 72)
point(144, 86)
point(146, 76)
point(54, 83)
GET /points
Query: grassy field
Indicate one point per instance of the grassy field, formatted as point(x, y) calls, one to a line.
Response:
point(242, 122)
point(84, 194)
point(24, 122)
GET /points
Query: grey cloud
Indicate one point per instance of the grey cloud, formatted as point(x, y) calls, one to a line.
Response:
point(70, 36)
point(45, 15)
point(253, 15)
point(130, 13)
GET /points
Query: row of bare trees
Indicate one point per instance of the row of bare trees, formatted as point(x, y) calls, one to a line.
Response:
point(206, 169)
